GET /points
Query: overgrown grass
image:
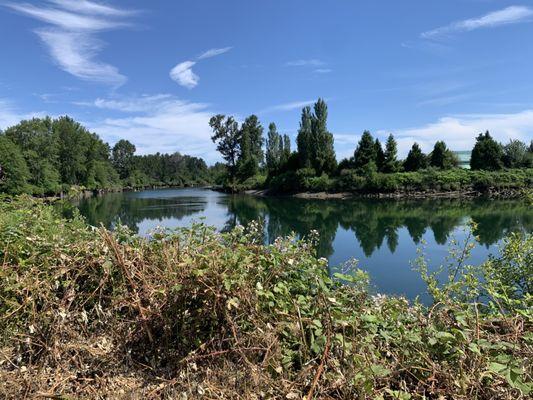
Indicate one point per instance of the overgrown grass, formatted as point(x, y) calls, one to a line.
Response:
point(89, 313)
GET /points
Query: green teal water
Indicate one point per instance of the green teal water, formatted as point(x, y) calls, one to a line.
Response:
point(383, 235)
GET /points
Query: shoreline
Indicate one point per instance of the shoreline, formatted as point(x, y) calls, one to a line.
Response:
point(467, 194)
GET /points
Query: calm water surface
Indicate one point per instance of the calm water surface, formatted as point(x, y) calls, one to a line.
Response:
point(382, 234)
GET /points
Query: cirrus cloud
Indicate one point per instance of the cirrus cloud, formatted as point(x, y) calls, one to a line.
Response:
point(506, 16)
point(70, 35)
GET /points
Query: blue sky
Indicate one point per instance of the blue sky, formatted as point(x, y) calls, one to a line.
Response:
point(155, 71)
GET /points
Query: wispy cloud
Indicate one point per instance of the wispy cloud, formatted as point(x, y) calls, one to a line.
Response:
point(288, 106)
point(303, 63)
point(183, 74)
point(323, 70)
point(214, 52)
point(157, 123)
point(89, 7)
point(70, 36)
point(506, 16)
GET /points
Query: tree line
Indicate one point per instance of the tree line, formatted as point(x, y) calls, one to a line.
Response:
point(48, 156)
point(240, 146)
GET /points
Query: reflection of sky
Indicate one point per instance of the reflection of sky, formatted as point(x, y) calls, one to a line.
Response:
point(208, 210)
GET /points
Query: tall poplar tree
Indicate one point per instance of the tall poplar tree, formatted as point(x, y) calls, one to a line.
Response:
point(274, 148)
point(251, 152)
point(303, 140)
point(322, 151)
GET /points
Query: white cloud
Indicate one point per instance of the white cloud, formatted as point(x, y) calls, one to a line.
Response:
point(303, 63)
point(323, 70)
point(460, 131)
point(506, 16)
point(288, 106)
point(184, 76)
point(71, 40)
point(214, 52)
point(158, 123)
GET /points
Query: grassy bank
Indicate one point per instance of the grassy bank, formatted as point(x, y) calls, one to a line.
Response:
point(424, 182)
point(86, 312)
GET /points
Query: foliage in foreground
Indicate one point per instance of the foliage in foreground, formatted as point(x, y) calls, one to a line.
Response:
point(86, 312)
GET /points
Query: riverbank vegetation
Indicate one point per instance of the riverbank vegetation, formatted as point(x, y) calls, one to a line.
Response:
point(86, 312)
point(373, 168)
point(46, 156)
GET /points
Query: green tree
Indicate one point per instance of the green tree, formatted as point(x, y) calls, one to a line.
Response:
point(251, 152)
point(416, 159)
point(227, 136)
point(322, 151)
point(274, 148)
point(380, 155)
point(391, 163)
point(365, 151)
point(39, 148)
point(14, 173)
point(123, 158)
point(516, 155)
point(441, 157)
point(303, 140)
point(286, 151)
point(487, 153)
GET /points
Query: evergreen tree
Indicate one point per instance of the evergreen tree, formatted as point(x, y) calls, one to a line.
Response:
point(274, 148)
point(227, 136)
point(391, 163)
point(365, 151)
point(303, 140)
point(416, 159)
point(322, 151)
point(487, 153)
point(380, 155)
point(441, 157)
point(123, 156)
point(14, 173)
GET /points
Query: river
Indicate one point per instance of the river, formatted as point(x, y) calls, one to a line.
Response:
point(383, 235)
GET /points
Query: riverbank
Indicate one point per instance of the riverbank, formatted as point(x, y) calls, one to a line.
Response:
point(456, 183)
point(196, 314)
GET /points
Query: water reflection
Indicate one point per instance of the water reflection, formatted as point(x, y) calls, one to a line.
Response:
point(378, 222)
point(383, 234)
